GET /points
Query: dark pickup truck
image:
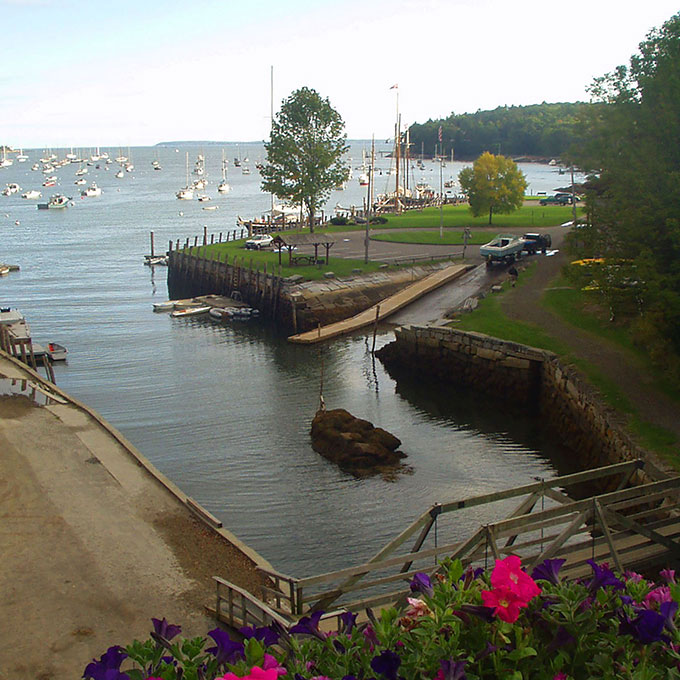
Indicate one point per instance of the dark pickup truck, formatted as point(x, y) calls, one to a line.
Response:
point(557, 199)
point(535, 242)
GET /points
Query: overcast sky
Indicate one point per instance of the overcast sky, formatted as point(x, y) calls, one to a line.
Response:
point(137, 72)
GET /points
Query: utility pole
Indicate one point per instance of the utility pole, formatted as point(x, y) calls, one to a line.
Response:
point(573, 197)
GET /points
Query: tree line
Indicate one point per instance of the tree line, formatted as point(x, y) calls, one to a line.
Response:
point(540, 130)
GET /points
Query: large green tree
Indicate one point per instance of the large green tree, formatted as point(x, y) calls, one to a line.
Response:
point(632, 148)
point(493, 184)
point(304, 154)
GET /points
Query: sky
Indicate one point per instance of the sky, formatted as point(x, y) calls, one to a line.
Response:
point(138, 72)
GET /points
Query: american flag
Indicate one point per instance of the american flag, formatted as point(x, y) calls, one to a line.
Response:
point(440, 134)
point(395, 86)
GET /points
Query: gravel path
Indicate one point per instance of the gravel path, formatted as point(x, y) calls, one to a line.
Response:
point(615, 363)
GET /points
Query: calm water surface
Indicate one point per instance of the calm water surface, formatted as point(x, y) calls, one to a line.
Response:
point(225, 410)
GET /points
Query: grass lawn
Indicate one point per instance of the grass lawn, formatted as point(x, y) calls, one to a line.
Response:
point(256, 259)
point(572, 305)
point(425, 236)
point(459, 216)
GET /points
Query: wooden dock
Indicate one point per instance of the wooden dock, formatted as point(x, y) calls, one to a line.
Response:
point(381, 311)
point(634, 523)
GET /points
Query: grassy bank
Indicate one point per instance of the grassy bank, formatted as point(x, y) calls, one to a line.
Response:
point(575, 308)
point(257, 259)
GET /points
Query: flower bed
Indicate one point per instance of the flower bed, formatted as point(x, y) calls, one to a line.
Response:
point(463, 624)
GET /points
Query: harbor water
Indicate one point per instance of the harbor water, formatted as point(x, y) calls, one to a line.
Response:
point(224, 410)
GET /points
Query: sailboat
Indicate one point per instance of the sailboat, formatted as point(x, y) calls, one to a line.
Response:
point(223, 187)
point(5, 162)
point(186, 193)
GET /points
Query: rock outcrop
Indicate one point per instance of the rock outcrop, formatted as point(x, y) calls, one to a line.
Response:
point(355, 445)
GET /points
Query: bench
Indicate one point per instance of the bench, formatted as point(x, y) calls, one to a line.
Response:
point(305, 259)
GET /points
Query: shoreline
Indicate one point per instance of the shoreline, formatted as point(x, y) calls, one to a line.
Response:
point(96, 541)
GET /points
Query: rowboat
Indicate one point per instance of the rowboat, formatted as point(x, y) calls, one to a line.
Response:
point(190, 311)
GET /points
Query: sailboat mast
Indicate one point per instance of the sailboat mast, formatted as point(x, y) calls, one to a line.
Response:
point(271, 124)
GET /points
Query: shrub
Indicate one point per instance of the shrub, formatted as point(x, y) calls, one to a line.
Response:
point(339, 221)
point(461, 624)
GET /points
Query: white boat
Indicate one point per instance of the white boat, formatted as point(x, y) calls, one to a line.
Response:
point(11, 188)
point(210, 207)
point(157, 260)
point(5, 162)
point(80, 181)
point(363, 179)
point(204, 197)
point(129, 167)
point(81, 171)
point(167, 306)
point(56, 202)
point(92, 190)
point(186, 193)
point(190, 311)
point(223, 187)
point(22, 157)
point(200, 184)
point(55, 351)
point(120, 174)
point(32, 193)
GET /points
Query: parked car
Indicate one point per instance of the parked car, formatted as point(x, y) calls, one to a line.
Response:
point(557, 199)
point(259, 241)
point(535, 242)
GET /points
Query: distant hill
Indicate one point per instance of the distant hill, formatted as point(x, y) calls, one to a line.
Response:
point(204, 142)
point(540, 130)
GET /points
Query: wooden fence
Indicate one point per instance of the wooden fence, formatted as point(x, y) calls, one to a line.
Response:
point(629, 526)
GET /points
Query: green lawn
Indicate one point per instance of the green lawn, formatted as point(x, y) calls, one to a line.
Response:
point(256, 259)
point(426, 237)
point(526, 217)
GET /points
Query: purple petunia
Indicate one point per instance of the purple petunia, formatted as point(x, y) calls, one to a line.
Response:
point(309, 625)
point(451, 670)
point(348, 621)
point(164, 629)
point(386, 664)
point(225, 649)
point(108, 666)
point(421, 583)
point(647, 626)
point(603, 577)
point(264, 634)
point(548, 570)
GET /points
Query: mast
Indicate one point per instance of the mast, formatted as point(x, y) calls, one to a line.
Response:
point(271, 125)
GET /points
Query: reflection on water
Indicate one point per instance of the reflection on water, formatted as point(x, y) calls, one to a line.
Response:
point(224, 409)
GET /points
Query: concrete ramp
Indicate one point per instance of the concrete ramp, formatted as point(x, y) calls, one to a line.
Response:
point(387, 307)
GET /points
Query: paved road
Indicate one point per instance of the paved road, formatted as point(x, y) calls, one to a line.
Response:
point(433, 307)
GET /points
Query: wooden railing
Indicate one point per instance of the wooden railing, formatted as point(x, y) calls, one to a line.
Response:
point(624, 525)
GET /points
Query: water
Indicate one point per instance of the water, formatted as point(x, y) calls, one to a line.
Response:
point(225, 410)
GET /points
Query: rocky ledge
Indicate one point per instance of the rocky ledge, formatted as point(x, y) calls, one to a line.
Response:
point(355, 445)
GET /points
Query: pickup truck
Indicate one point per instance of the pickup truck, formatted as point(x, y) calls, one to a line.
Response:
point(535, 242)
point(557, 199)
point(504, 248)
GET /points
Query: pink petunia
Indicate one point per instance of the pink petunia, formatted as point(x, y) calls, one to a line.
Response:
point(508, 573)
point(505, 602)
point(658, 595)
point(416, 608)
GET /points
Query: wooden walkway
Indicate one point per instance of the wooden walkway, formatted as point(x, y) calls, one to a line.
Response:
point(630, 522)
point(387, 307)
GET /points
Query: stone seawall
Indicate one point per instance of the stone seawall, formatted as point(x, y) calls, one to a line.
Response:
point(294, 304)
point(523, 376)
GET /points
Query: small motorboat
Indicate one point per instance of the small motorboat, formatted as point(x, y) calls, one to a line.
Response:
point(222, 313)
point(31, 193)
point(56, 201)
point(92, 190)
point(55, 351)
point(190, 311)
point(210, 207)
point(166, 306)
point(158, 260)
